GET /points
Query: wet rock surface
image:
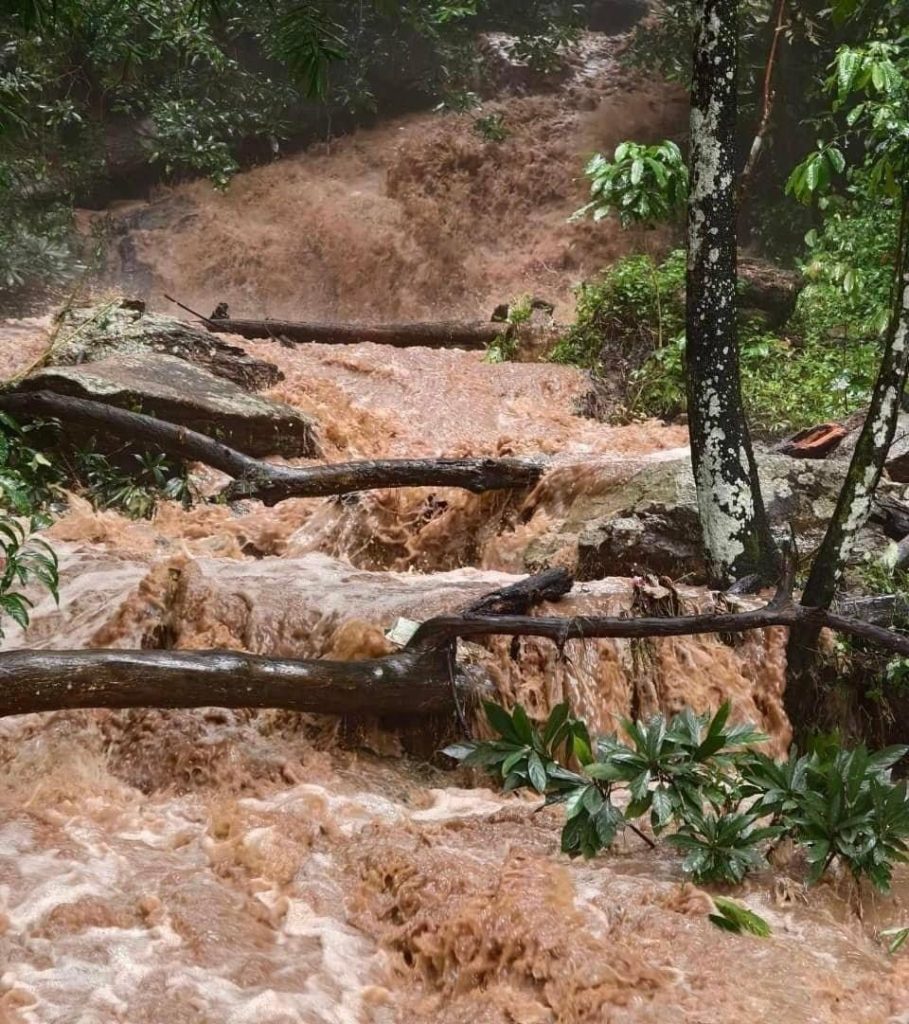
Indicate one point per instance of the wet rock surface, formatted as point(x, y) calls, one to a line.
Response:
point(175, 390)
point(125, 327)
point(641, 516)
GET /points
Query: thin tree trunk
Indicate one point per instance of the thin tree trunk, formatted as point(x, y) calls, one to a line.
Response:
point(857, 495)
point(736, 532)
point(760, 135)
point(803, 700)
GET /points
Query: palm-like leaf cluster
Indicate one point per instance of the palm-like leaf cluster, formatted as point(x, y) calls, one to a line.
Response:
point(699, 776)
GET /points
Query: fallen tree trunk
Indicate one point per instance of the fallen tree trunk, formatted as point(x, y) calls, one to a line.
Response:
point(50, 680)
point(418, 680)
point(442, 334)
point(264, 481)
point(411, 682)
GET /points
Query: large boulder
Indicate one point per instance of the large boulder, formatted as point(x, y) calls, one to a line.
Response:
point(179, 392)
point(124, 327)
point(645, 519)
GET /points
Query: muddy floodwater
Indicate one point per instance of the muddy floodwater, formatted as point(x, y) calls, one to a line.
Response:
point(240, 867)
point(267, 867)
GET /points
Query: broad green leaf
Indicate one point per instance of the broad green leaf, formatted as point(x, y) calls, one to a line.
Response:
point(500, 720)
point(536, 772)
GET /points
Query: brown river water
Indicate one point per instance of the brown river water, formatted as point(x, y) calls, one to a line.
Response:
point(174, 867)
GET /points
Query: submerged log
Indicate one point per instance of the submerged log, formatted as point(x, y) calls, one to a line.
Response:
point(442, 334)
point(264, 481)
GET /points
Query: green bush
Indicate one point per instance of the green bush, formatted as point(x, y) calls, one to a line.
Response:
point(641, 184)
point(696, 775)
point(820, 366)
point(635, 308)
point(27, 484)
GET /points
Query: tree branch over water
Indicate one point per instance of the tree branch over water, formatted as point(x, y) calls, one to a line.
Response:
point(264, 481)
point(414, 681)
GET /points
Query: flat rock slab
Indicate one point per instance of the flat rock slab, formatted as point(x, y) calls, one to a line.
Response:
point(92, 333)
point(179, 392)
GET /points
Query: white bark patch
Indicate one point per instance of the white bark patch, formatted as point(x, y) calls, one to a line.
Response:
point(725, 501)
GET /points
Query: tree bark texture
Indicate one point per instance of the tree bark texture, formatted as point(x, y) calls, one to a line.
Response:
point(735, 528)
point(803, 699)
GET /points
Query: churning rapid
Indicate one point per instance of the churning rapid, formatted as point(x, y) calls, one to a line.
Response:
point(269, 867)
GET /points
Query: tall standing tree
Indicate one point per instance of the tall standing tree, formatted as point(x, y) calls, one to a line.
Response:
point(870, 86)
point(736, 532)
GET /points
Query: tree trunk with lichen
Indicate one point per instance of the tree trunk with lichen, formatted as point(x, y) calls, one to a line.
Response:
point(735, 528)
point(803, 700)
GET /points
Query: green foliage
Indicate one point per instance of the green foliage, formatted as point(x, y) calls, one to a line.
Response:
point(869, 86)
point(26, 484)
point(821, 366)
point(24, 557)
point(670, 771)
point(135, 490)
point(838, 804)
point(504, 348)
point(491, 127)
point(641, 184)
point(720, 847)
point(733, 917)
point(635, 304)
point(852, 812)
point(28, 478)
point(699, 777)
point(897, 936)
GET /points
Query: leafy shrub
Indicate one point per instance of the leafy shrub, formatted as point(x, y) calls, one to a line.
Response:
point(838, 804)
point(635, 308)
point(25, 557)
point(505, 345)
point(641, 184)
point(491, 127)
point(27, 480)
point(720, 847)
point(821, 367)
point(135, 489)
point(698, 775)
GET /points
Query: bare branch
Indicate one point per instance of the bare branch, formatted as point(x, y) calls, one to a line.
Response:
point(263, 480)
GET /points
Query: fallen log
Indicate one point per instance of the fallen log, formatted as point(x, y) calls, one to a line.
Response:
point(412, 681)
point(50, 680)
point(264, 481)
point(420, 679)
point(441, 334)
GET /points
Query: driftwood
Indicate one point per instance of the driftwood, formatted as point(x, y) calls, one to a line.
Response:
point(264, 481)
point(442, 334)
point(420, 679)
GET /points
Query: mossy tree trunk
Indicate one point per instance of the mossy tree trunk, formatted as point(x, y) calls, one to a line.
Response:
point(804, 703)
point(736, 532)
